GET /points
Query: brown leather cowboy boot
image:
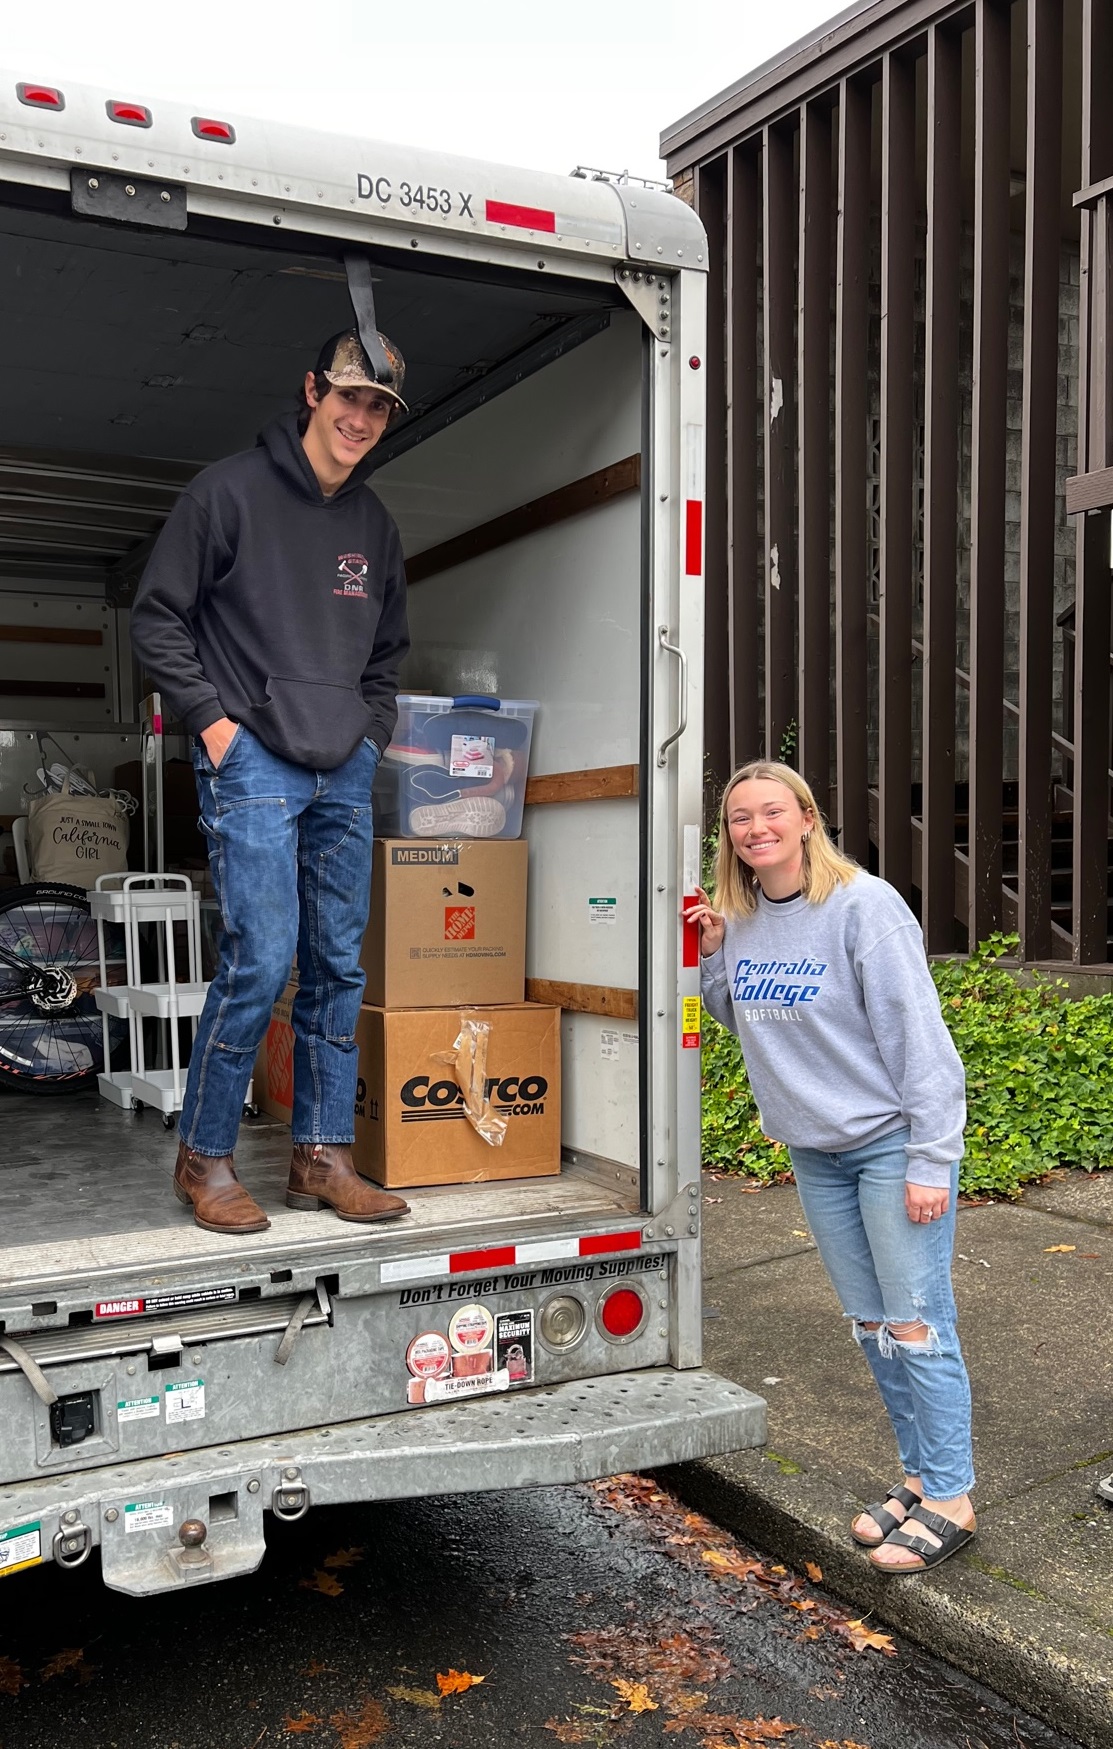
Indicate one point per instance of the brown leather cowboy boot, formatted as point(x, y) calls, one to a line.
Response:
point(220, 1202)
point(322, 1172)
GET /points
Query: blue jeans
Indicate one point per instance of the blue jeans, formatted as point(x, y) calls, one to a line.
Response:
point(889, 1270)
point(290, 853)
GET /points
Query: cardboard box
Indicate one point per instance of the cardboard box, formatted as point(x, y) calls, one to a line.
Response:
point(273, 1081)
point(448, 922)
point(411, 1123)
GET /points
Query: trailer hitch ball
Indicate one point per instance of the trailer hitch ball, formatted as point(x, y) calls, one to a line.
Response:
point(191, 1534)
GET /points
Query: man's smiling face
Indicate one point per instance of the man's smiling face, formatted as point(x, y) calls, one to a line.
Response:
point(344, 426)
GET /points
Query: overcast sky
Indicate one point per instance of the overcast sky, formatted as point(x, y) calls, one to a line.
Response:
point(549, 86)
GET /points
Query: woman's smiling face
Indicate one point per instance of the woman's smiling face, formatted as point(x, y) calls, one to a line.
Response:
point(767, 826)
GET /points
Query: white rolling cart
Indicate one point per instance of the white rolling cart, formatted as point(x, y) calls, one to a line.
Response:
point(155, 903)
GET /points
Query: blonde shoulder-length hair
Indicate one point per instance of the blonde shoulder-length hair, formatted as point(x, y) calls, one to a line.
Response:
point(824, 867)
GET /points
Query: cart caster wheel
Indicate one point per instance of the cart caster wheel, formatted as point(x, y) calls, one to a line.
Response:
point(137, 1105)
point(168, 1120)
point(251, 1110)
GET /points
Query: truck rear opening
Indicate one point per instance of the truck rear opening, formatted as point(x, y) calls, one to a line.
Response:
point(546, 484)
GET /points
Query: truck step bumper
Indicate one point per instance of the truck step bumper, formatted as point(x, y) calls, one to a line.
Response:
point(563, 1433)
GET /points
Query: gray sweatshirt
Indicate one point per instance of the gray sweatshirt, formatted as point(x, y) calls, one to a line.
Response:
point(840, 1025)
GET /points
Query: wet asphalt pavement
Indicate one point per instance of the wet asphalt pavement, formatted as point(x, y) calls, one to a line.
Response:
point(596, 1615)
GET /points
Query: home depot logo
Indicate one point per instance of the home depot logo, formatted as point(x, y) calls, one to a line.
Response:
point(459, 922)
point(512, 1095)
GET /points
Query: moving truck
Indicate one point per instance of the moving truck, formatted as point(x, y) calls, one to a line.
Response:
point(168, 1394)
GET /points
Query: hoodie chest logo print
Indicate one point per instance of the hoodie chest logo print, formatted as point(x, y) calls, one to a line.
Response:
point(351, 576)
point(780, 986)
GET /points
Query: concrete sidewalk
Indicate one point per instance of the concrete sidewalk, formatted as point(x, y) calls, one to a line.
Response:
point(1028, 1607)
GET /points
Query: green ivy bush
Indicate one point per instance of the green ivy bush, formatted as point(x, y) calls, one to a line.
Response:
point(1038, 1084)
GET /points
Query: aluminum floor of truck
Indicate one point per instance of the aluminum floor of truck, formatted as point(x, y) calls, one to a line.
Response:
point(85, 1185)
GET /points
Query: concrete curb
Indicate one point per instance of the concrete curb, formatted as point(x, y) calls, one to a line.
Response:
point(1026, 1648)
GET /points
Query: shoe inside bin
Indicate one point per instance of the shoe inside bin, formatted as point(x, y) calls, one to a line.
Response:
point(457, 767)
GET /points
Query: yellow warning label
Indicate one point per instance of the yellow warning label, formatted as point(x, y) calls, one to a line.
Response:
point(691, 1012)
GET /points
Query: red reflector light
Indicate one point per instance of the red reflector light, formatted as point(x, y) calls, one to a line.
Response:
point(213, 130)
point(622, 1312)
point(40, 96)
point(133, 115)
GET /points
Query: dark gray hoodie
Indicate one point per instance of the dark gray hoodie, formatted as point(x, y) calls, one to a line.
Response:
point(266, 602)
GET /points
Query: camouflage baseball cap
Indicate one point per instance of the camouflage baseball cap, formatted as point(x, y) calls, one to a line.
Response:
point(343, 361)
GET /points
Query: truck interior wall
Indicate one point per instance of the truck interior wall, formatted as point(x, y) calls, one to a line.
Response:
point(554, 616)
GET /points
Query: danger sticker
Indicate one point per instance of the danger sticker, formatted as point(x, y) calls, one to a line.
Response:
point(184, 1300)
point(148, 1515)
point(137, 1409)
point(185, 1402)
point(19, 1548)
point(429, 1355)
point(471, 1329)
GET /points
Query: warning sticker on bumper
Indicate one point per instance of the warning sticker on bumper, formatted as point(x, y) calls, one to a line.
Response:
point(185, 1402)
point(19, 1548)
point(148, 1515)
point(137, 1409)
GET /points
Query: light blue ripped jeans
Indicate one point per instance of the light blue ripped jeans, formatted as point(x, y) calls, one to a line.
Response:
point(889, 1270)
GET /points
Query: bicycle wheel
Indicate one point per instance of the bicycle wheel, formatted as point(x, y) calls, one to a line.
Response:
point(51, 1032)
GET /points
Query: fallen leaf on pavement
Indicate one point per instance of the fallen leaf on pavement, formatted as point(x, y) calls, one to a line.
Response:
point(686, 1703)
point(316, 1668)
point(728, 1561)
point(800, 1233)
point(299, 1727)
point(457, 1681)
point(573, 1730)
point(830, 1743)
point(73, 1658)
point(801, 1603)
point(323, 1582)
point(344, 1558)
point(712, 1199)
point(360, 1729)
point(11, 1676)
point(1048, 1249)
point(635, 1694)
point(812, 1633)
point(423, 1697)
point(1090, 1256)
point(815, 1574)
point(863, 1639)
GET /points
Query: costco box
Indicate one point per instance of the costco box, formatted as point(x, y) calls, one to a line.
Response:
point(448, 923)
point(412, 1122)
point(273, 1080)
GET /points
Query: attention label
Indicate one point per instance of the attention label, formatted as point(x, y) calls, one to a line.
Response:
point(603, 910)
point(137, 1409)
point(185, 1402)
point(21, 1547)
point(690, 1021)
point(148, 1515)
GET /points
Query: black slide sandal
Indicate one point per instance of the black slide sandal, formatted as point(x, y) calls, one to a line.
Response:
point(884, 1518)
point(952, 1537)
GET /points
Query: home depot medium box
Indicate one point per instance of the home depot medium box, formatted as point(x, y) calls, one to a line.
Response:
point(448, 922)
point(411, 1124)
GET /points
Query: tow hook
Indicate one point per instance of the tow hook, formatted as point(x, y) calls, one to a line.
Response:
point(72, 1544)
point(290, 1500)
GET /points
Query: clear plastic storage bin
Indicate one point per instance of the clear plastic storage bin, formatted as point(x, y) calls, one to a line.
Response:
point(456, 768)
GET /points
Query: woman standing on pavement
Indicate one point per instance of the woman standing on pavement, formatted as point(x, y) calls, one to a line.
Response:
point(819, 969)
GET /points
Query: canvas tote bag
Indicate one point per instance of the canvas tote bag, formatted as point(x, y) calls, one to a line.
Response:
point(74, 838)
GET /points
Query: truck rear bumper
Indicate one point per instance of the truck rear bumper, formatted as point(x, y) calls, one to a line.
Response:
point(564, 1433)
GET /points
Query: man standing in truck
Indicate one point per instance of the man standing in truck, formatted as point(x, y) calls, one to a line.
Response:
point(272, 618)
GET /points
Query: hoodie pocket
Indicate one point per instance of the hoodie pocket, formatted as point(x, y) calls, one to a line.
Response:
point(314, 723)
